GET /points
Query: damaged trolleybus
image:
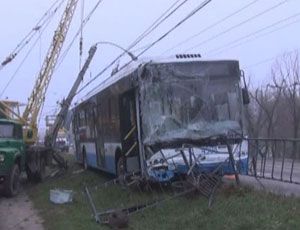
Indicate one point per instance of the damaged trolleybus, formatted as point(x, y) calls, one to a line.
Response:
point(137, 119)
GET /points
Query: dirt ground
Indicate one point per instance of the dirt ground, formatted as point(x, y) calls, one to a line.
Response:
point(18, 213)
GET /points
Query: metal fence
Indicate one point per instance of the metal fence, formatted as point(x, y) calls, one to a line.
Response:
point(275, 159)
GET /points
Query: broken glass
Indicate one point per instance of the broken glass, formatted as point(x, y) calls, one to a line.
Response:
point(189, 101)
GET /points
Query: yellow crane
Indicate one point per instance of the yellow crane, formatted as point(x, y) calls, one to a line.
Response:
point(30, 157)
point(37, 96)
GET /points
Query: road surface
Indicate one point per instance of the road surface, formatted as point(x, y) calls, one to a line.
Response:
point(282, 169)
point(17, 213)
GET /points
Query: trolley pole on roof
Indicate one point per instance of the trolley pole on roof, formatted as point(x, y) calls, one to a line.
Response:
point(132, 56)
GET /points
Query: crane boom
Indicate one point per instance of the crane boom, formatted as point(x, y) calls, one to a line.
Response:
point(37, 96)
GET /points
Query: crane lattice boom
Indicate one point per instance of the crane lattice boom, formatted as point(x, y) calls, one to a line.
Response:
point(42, 82)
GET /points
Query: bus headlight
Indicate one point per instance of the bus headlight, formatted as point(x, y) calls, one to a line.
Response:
point(2, 157)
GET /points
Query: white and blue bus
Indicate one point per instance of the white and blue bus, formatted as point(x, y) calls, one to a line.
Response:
point(153, 107)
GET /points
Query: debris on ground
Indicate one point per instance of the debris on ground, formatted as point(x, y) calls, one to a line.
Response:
point(61, 196)
point(54, 173)
point(192, 181)
point(118, 220)
point(78, 171)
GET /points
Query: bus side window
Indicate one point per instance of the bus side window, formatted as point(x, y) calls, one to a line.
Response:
point(90, 123)
point(82, 125)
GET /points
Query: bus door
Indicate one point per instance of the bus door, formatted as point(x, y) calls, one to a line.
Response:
point(128, 126)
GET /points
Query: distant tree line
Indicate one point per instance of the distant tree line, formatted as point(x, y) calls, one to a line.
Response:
point(274, 111)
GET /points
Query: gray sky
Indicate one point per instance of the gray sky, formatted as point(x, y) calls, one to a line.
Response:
point(122, 21)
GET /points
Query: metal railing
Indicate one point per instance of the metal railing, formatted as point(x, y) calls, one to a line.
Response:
point(275, 159)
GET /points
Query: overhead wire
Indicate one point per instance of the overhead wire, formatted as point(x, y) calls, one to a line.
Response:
point(167, 14)
point(28, 37)
point(155, 24)
point(273, 7)
point(192, 13)
point(269, 59)
point(211, 26)
point(41, 21)
point(81, 33)
point(25, 58)
point(84, 22)
point(231, 45)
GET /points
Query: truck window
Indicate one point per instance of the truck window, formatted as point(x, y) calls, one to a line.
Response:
point(6, 130)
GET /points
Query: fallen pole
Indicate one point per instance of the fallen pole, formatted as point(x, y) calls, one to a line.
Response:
point(89, 198)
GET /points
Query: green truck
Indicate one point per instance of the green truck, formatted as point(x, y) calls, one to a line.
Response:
point(17, 156)
point(12, 156)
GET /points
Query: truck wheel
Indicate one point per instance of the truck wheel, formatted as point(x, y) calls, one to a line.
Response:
point(30, 175)
point(13, 182)
point(40, 176)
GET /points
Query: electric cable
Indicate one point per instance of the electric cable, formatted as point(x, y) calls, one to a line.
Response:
point(192, 13)
point(85, 21)
point(150, 29)
point(26, 40)
point(197, 9)
point(269, 59)
point(158, 22)
point(81, 34)
point(24, 59)
point(211, 26)
point(238, 25)
point(229, 44)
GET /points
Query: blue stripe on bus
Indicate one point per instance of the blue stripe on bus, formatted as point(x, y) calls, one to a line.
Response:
point(110, 166)
point(91, 160)
point(227, 168)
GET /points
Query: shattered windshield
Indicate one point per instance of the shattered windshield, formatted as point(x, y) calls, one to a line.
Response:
point(191, 101)
point(6, 130)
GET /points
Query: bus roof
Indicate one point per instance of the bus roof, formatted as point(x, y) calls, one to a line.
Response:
point(134, 65)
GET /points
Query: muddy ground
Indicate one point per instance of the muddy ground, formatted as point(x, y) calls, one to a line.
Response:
point(17, 213)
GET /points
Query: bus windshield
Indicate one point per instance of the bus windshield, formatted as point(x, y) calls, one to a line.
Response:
point(190, 104)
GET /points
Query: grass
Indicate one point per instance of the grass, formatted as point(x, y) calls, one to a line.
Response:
point(233, 208)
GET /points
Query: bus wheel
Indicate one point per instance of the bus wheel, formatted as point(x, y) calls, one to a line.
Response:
point(85, 164)
point(13, 182)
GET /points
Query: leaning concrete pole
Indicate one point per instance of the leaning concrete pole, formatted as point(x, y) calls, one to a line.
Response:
point(50, 138)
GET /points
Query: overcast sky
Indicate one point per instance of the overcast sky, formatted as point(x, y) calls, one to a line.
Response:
point(242, 37)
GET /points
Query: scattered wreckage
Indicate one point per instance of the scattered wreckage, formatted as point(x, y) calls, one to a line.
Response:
point(174, 175)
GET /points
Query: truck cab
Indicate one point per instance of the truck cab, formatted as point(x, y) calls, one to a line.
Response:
point(12, 155)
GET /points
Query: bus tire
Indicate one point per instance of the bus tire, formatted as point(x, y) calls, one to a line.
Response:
point(12, 184)
point(120, 167)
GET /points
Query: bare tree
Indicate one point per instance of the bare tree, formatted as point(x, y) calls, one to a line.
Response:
point(287, 71)
point(254, 114)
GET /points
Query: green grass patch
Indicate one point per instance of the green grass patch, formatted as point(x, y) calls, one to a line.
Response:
point(233, 208)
